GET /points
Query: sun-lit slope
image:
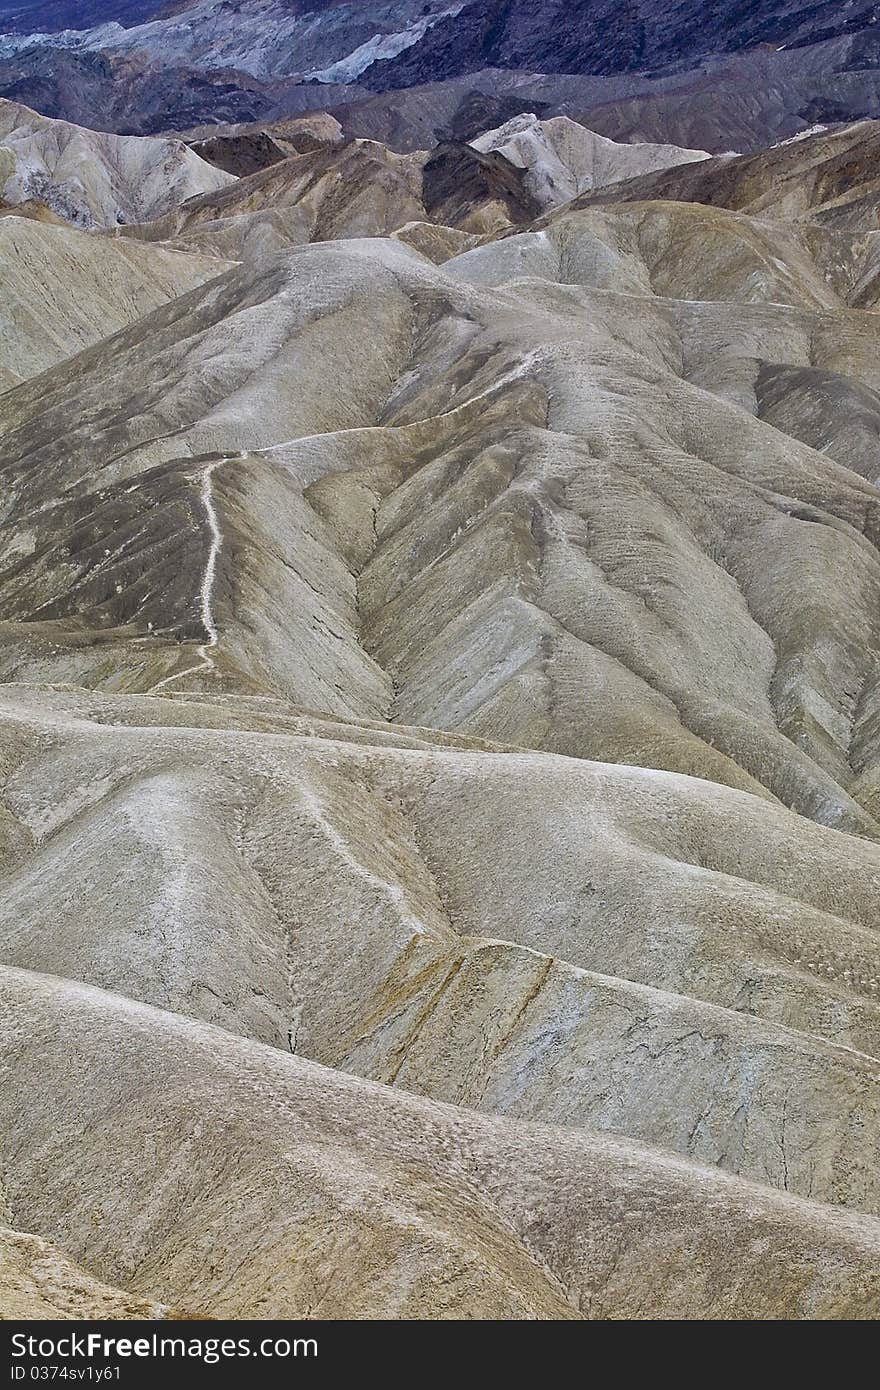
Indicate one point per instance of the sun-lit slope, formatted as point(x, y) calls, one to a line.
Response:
point(538, 937)
point(783, 349)
point(829, 177)
point(93, 179)
point(516, 516)
point(64, 290)
point(357, 189)
point(37, 1282)
point(563, 159)
point(445, 665)
point(261, 1169)
point(688, 251)
point(360, 189)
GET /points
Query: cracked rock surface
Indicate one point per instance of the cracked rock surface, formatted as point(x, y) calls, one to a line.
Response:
point(440, 812)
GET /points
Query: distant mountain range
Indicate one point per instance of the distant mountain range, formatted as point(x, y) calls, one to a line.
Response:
point(439, 720)
point(704, 75)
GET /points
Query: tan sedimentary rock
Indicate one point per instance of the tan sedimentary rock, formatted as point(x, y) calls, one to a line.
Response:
point(262, 1169)
point(93, 179)
point(64, 290)
point(563, 159)
point(443, 660)
point(37, 1282)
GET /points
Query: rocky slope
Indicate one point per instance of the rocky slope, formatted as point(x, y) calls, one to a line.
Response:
point(340, 189)
point(355, 189)
point(826, 177)
point(563, 159)
point(37, 1282)
point(333, 1197)
point(245, 151)
point(441, 649)
point(397, 43)
point(706, 77)
point(64, 290)
point(91, 179)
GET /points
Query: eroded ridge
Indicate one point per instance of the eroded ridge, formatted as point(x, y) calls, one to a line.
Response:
point(439, 725)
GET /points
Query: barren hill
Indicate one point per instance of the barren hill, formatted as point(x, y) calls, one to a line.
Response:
point(440, 831)
point(91, 179)
point(64, 290)
point(825, 176)
point(562, 158)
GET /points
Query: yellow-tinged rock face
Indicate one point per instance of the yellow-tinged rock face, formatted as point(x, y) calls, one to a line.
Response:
point(37, 1282)
point(440, 827)
point(64, 290)
point(94, 179)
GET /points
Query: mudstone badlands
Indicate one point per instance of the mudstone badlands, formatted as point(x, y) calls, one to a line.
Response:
point(439, 720)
